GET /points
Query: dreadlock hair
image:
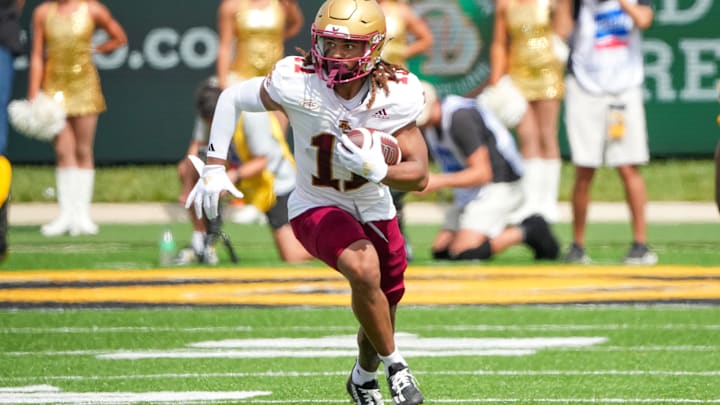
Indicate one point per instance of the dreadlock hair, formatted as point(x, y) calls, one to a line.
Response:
point(382, 72)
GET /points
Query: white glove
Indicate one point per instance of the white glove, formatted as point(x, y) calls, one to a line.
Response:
point(206, 193)
point(368, 163)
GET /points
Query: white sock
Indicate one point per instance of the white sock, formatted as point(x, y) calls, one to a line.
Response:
point(392, 358)
point(360, 376)
point(198, 241)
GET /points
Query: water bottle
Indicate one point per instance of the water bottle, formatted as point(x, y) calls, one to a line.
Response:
point(167, 249)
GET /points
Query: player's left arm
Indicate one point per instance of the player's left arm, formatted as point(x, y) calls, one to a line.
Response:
point(250, 96)
point(256, 127)
point(411, 174)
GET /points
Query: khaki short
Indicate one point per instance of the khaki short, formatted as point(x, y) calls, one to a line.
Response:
point(490, 212)
point(605, 130)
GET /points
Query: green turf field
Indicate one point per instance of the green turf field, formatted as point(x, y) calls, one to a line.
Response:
point(666, 180)
point(136, 246)
point(621, 354)
point(92, 320)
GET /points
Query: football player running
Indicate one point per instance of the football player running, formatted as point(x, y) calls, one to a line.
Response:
point(341, 209)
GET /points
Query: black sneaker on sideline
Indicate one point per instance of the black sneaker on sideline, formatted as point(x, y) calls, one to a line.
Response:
point(366, 394)
point(576, 254)
point(540, 238)
point(403, 387)
point(640, 254)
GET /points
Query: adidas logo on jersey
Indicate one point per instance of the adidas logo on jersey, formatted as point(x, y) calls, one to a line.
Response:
point(381, 114)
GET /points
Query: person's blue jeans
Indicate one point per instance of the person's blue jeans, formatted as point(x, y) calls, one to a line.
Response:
point(6, 80)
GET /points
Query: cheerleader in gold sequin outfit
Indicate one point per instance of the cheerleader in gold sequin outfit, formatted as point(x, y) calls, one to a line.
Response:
point(523, 46)
point(252, 38)
point(402, 21)
point(61, 66)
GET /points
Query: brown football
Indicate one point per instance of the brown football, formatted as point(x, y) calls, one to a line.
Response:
point(362, 137)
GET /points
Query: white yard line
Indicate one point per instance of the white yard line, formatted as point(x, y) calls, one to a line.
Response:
point(311, 374)
point(175, 397)
point(685, 348)
point(474, 327)
point(516, 400)
point(181, 397)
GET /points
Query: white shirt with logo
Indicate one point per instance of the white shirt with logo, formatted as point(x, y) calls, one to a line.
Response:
point(606, 48)
point(318, 117)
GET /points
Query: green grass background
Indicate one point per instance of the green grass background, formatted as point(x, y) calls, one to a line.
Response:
point(135, 246)
point(666, 180)
point(131, 246)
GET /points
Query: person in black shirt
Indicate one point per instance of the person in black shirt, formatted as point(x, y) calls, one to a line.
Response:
point(480, 162)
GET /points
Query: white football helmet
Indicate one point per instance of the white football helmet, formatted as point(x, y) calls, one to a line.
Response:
point(358, 20)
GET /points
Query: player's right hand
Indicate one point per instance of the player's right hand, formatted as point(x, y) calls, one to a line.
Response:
point(368, 163)
point(206, 193)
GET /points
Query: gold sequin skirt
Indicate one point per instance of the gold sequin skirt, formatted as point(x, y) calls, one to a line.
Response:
point(77, 89)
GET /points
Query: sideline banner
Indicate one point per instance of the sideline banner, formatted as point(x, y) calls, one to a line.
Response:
point(682, 66)
point(149, 85)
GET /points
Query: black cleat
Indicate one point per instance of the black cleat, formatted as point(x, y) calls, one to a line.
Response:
point(403, 386)
point(366, 394)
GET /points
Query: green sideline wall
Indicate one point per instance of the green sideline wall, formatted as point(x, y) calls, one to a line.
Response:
point(172, 46)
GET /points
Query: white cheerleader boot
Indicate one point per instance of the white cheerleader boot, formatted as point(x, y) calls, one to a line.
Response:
point(64, 181)
point(532, 186)
point(82, 223)
point(551, 189)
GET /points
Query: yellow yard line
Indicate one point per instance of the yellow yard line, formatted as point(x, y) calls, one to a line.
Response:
point(321, 286)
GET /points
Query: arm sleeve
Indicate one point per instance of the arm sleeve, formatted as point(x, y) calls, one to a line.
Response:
point(234, 100)
point(468, 131)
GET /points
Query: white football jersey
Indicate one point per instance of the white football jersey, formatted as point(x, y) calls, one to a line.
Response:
point(318, 118)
